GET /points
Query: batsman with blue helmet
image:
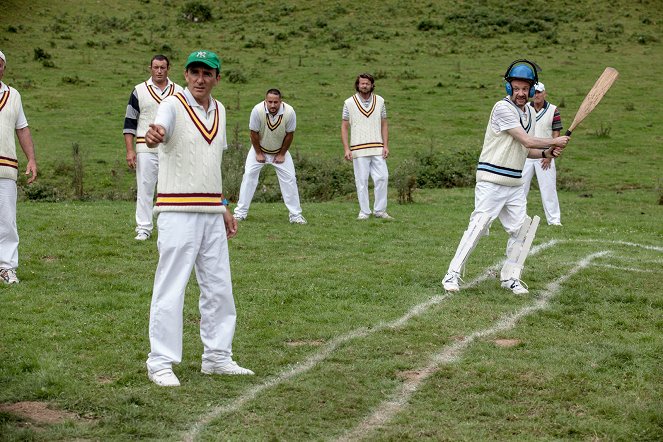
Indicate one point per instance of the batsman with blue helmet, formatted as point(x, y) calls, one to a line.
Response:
point(509, 140)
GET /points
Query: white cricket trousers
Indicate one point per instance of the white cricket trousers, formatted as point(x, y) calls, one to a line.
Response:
point(547, 185)
point(376, 167)
point(497, 201)
point(8, 229)
point(187, 241)
point(285, 172)
point(147, 172)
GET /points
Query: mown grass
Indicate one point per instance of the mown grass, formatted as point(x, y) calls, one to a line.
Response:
point(74, 332)
point(75, 329)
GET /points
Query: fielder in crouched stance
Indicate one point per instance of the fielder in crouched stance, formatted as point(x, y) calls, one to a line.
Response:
point(499, 192)
point(193, 225)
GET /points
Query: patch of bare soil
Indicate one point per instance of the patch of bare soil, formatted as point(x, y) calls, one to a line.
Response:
point(506, 343)
point(38, 412)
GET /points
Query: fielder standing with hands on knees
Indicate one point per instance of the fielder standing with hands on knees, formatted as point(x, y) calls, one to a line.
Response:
point(194, 225)
point(508, 141)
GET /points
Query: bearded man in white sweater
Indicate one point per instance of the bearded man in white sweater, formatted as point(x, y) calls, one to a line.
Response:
point(508, 141)
point(365, 117)
point(190, 132)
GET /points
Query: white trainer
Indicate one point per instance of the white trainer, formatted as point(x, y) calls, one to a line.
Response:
point(239, 217)
point(383, 215)
point(8, 276)
point(362, 216)
point(517, 286)
point(142, 236)
point(229, 368)
point(299, 219)
point(164, 378)
point(451, 282)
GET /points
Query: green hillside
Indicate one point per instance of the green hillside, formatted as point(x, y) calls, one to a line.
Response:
point(438, 63)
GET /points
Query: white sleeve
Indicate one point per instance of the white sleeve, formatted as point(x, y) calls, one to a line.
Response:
point(254, 120)
point(21, 121)
point(504, 117)
point(166, 116)
point(292, 124)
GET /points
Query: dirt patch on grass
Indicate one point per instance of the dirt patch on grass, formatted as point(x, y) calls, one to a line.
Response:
point(38, 412)
point(506, 343)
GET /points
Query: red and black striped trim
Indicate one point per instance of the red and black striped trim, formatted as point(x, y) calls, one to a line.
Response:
point(170, 91)
point(367, 113)
point(4, 99)
point(208, 134)
point(366, 146)
point(9, 162)
point(189, 199)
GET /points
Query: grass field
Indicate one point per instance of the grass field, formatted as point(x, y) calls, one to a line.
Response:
point(345, 324)
point(348, 329)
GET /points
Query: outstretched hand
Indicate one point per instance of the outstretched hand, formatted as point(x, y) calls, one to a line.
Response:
point(155, 135)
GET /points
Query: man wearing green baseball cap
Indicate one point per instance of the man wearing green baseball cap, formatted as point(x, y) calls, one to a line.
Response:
point(193, 224)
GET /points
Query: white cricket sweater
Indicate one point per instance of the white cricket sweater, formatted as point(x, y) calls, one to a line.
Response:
point(190, 162)
point(149, 98)
point(10, 102)
point(365, 127)
point(503, 157)
point(272, 134)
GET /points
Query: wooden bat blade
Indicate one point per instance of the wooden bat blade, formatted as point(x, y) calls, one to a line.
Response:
point(604, 82)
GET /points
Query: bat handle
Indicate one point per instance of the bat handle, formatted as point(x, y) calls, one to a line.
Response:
point(568, 133)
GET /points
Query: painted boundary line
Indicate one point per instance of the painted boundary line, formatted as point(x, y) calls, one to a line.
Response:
point(451, 353)
point(313, 360)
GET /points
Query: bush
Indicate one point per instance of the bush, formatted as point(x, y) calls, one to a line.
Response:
point(404, 178)
point(446, 169)
point(41, 55)
point(236, 76)
point(196, 12)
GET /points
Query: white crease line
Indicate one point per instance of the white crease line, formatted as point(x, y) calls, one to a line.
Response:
point(620, 243)
point(327, 349)
point(388, 409)
point(626, 269)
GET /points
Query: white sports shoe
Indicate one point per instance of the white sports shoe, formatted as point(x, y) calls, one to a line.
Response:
point(383, 215)
point(239, 217)
point(8, 276)
point(362, 216)
point(164, 378)
point(299, 219)
point(517, 286)
point(451, 282)
point(142, 236)
point(230, 368)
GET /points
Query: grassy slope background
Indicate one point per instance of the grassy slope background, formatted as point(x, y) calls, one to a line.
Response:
point(74, 333)
point(439, 82)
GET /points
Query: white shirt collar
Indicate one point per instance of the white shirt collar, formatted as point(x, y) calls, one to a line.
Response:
point(193, 103)
point(150, 82)
point(3, 87)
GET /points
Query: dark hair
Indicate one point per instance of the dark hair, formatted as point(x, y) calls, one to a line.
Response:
point(274, 92)
point(367, 76)
point(160, 57)
point(203, 65)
